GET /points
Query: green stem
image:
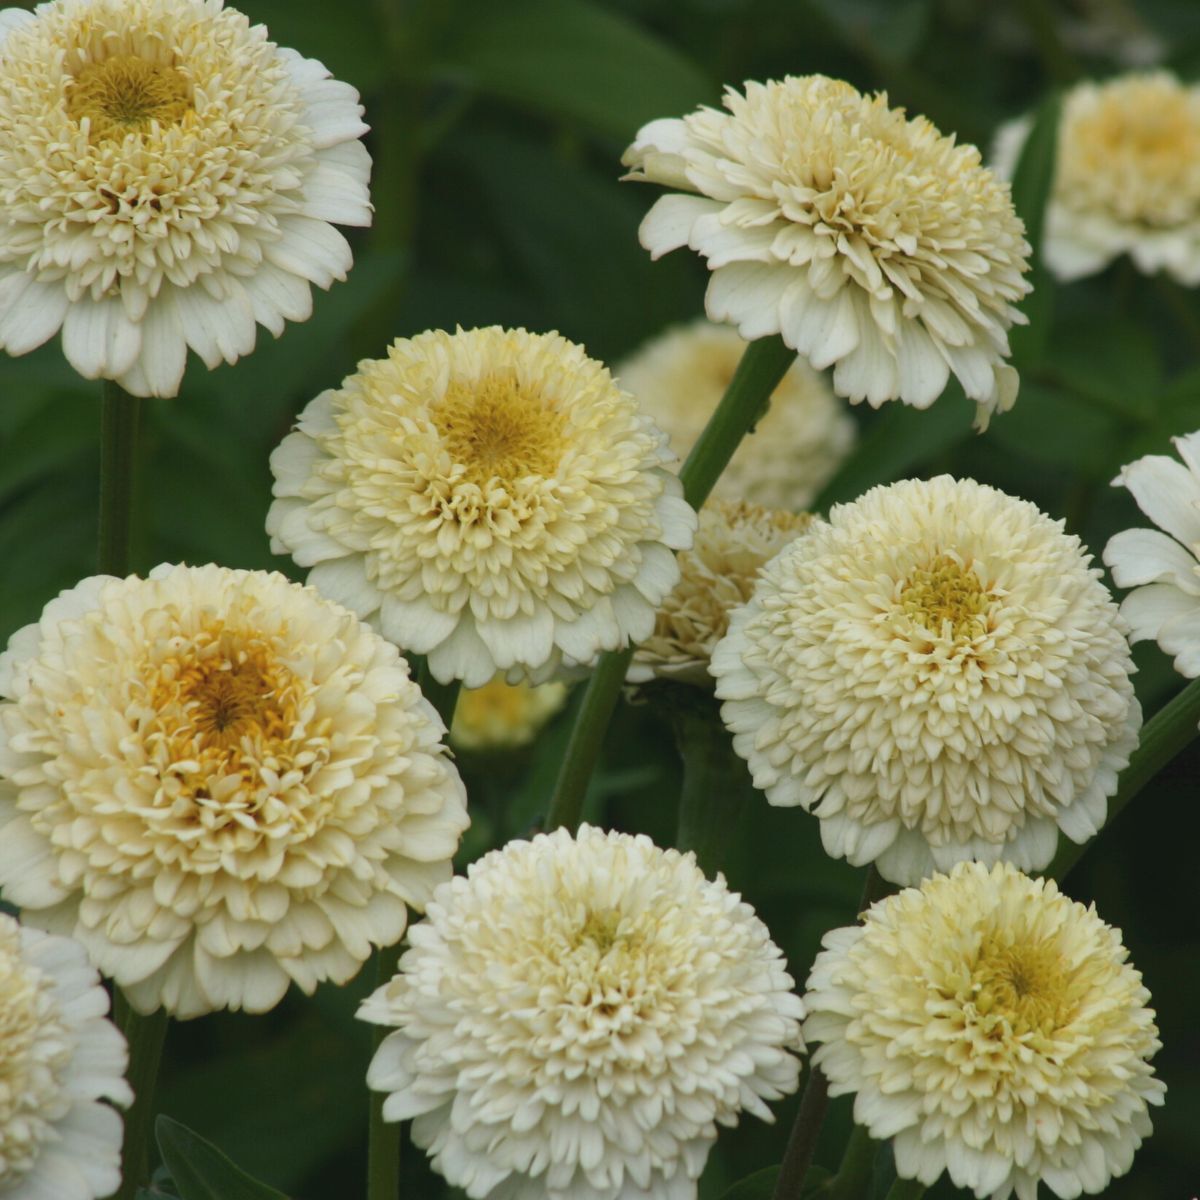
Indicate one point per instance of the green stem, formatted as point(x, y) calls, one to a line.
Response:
point(762, 366)
point(906, 1189)
point(119, 419)
point(383, 1137)
point(1168, 732)
point(853, 1179)
point(145, 1035)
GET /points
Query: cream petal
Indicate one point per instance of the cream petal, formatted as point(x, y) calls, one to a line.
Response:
point(310, 249)
point(31, 315)
point(668, 225)
point(98, 338)
point(1139, 556)
point(1168, 493)
point(159, 368)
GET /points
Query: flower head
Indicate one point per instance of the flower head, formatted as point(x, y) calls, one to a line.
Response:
point(717, 575)
point(938, 673)
point(577, 1015)
point(864, 239)
point(1163, 568)
point(59, 1061)
point(503, 716)
point(680, 377)
point(218, 782)
point(1127, 177)
point(168, 178)
point(993, 1029)
point(490, 497)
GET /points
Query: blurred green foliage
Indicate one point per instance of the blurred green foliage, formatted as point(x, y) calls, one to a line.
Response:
point(497, 130)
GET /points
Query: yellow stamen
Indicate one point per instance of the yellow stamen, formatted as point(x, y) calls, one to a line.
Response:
point(946, 591)
point(126, 94)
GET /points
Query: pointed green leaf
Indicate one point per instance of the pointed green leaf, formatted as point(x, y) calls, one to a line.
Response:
point(200, 1171)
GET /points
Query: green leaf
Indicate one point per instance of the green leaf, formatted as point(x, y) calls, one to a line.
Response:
point(1032, 181)
point(894, 29)
point(572, 59)
point(761, 1185)
point(200, 1171)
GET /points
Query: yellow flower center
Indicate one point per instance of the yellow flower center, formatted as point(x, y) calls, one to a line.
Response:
point(499, 430)
point(126, 94)
point(1024, 984)
point(946, 591)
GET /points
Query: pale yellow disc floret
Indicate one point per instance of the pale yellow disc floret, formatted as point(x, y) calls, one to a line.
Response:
point(502, 715)
point(575, 1018)
point(491, 497)
point(219, 783)
point(938, 673)
point(993, 1028)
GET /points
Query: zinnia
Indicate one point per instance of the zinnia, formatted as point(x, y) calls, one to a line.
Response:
point(994, 1030)
point(869, 242)
point(219, 783)
point(490, 498)
point(938, 673)
point(168, 178)
point(575, 1017)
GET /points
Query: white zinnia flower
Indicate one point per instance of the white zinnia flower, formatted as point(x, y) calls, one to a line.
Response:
point(717, 575)
point(1163, 570)
point(504, 716)
point(680, 377)
point(60, 1059)
point(167, 178)
point(938, 673)
point(576, 1017)
point(864, 239)
point(1127, 177)
point(218, 782)
point(490, 498)
point(993, 1029)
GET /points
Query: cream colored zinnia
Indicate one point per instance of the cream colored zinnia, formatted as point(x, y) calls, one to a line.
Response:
point(168, 178)
point(1163, 568)
point(504, 716)
point(490, 498)
point(717, 575)
point(938, 673)
point(575, 1018)
point(680, 377)
point(60, 1061)
point(1127, 177)
point(994, 1030)
point(219, 783)
point(869, 242)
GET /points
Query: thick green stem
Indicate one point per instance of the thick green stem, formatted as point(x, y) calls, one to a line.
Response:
point(119, 420)
point(762, 366)
point(906, 1189)
point(145, 1035)
point(383, 1137)
point(853, 1180)
point(716, 784)
point(1169, 731)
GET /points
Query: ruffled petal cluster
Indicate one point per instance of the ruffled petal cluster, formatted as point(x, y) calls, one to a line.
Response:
point(504, 716)
point(994, 1030)
point(490, 498)
point(1163, 568)
point(869, 242)
point(938, 673)
point(219, 783)
point(60, 1061)
point(680, 376)
point(717, 575)
point(575, 1017)
point(1127, 177)
point(168, 178)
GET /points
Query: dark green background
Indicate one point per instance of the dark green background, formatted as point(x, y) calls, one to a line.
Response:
point(497, 130)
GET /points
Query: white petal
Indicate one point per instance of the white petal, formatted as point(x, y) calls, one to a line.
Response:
point(749, 295)
point(1138, 556)
point(463, 655)
point(330, 194)
point(277, 296)
point(345, 582)
point(1168, 493)
point(159, 368)
point(31, 315)
point(218, 330)
point(99, 340)
point(1148, 609)
point(668, 224)
point(312, 250)
point(415, 626)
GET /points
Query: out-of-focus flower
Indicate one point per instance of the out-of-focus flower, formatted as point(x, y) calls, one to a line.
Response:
point(717, 575)
point(60, 1060)
point(575, 1018)
point(938, 673)
point(218, 782)
point(680, 377)
point(869, 242)
point(490, 498)
point(168, 178)
point(993, 1029)
point(1163, 568)
point(503, 716)
point(1127, 177)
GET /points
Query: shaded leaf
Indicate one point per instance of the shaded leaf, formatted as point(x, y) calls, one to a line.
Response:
point(200, 1171)
point(761, 1185)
